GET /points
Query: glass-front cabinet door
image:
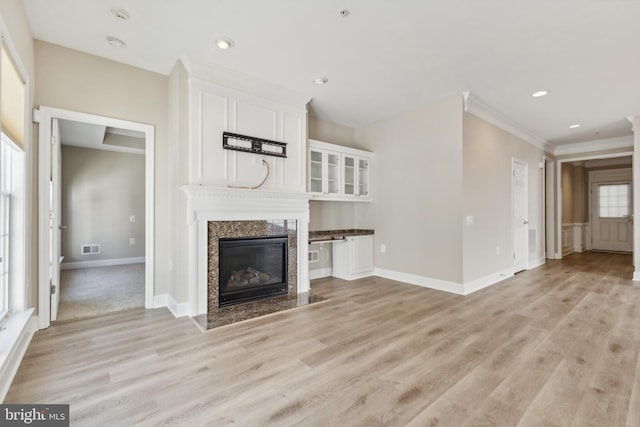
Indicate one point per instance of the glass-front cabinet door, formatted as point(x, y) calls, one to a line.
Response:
point(324, 172)
point(363, 177)
point(316, 174)
point(333, 173)
point(349, 164)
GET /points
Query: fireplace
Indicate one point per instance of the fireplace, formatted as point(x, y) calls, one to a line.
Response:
point(252, 268)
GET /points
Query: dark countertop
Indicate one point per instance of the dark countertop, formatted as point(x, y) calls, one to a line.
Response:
point(330, 235)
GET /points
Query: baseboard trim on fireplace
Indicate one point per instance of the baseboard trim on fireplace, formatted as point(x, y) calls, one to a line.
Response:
point(178, 309)
point(320, 273)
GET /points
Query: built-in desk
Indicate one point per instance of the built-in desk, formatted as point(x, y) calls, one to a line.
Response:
point(352, 251)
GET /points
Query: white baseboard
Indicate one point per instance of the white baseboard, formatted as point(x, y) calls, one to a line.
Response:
point(443, 285)
point(485, 282)
point(179, 309)
point(536, 263)
point(100, 263)
point(166, 300)
point(16, 336)
point(427, 282)
point(319, 273)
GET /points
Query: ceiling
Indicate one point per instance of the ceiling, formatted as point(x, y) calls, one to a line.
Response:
point(99, 137)
point(387, 57)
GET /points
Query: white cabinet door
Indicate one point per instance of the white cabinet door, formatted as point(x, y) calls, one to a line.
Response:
point(349, 175)
point(316, 172)
point(324, 172)
point(355, 176)
point(353, 258)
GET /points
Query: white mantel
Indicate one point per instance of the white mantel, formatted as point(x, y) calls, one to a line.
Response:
point(206, 203)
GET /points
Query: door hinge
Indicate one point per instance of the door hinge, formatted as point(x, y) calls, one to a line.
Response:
point(53, 289)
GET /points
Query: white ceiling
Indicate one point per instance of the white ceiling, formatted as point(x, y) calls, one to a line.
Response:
point(98, 137)
point(390, 56)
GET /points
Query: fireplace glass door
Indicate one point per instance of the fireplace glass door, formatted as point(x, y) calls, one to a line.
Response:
point(252, 268)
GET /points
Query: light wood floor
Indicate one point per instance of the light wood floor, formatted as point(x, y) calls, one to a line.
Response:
point(554, 346)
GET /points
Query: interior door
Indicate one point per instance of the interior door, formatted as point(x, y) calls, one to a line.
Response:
point(520, 224)
point(612, 216)
point(55, 214)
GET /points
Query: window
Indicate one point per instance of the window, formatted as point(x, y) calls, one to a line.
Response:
point(12, 185)
point(614, 200)
point(5, 225)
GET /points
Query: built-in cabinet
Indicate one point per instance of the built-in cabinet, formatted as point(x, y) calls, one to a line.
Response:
point(336, 172)
point(353, 258)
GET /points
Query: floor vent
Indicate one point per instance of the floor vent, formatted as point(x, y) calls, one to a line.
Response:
point(90, 249)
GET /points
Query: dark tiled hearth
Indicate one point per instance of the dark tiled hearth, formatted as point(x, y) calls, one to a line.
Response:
point(218, 317)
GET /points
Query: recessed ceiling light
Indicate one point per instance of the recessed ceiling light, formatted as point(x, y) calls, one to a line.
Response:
point(224, 43)
point(343, 12)
point(320, 80)
point(574, 126)
point(115, 42)
point(119, 13)
point(539, 93)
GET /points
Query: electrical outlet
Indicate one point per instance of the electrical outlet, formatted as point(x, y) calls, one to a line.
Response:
point(132, 241)
point(497, 250)
point(383, 248)
point(132, 218)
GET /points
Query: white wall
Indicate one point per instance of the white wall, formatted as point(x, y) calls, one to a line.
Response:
point(418, 191)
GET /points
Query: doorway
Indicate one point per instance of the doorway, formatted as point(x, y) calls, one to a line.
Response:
point(50, 183)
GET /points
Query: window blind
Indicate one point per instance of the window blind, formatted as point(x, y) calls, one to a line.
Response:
point(12, 99)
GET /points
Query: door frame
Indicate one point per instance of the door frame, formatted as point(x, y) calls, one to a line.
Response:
point(525, 263)
point(558, 242)
point(44, 117)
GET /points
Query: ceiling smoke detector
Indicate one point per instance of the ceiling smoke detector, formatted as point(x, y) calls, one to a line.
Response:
point(115, 42)
point(120, 14)
point(320, 80)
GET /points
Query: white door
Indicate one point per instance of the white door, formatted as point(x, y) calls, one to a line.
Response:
point(612, 217)
point(520, 227)
point(55, 209)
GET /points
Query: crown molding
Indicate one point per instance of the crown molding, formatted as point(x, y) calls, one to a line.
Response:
point(595, 145)
point(477, 107)
point(217, 74)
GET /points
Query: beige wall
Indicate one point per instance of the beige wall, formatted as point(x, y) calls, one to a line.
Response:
point(16, 28)
point(417, 191)
point(100, 191)
point(77, 81)
point(574, 194)
point(488, 156)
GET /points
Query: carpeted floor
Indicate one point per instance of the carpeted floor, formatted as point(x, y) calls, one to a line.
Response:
point(92, 292)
